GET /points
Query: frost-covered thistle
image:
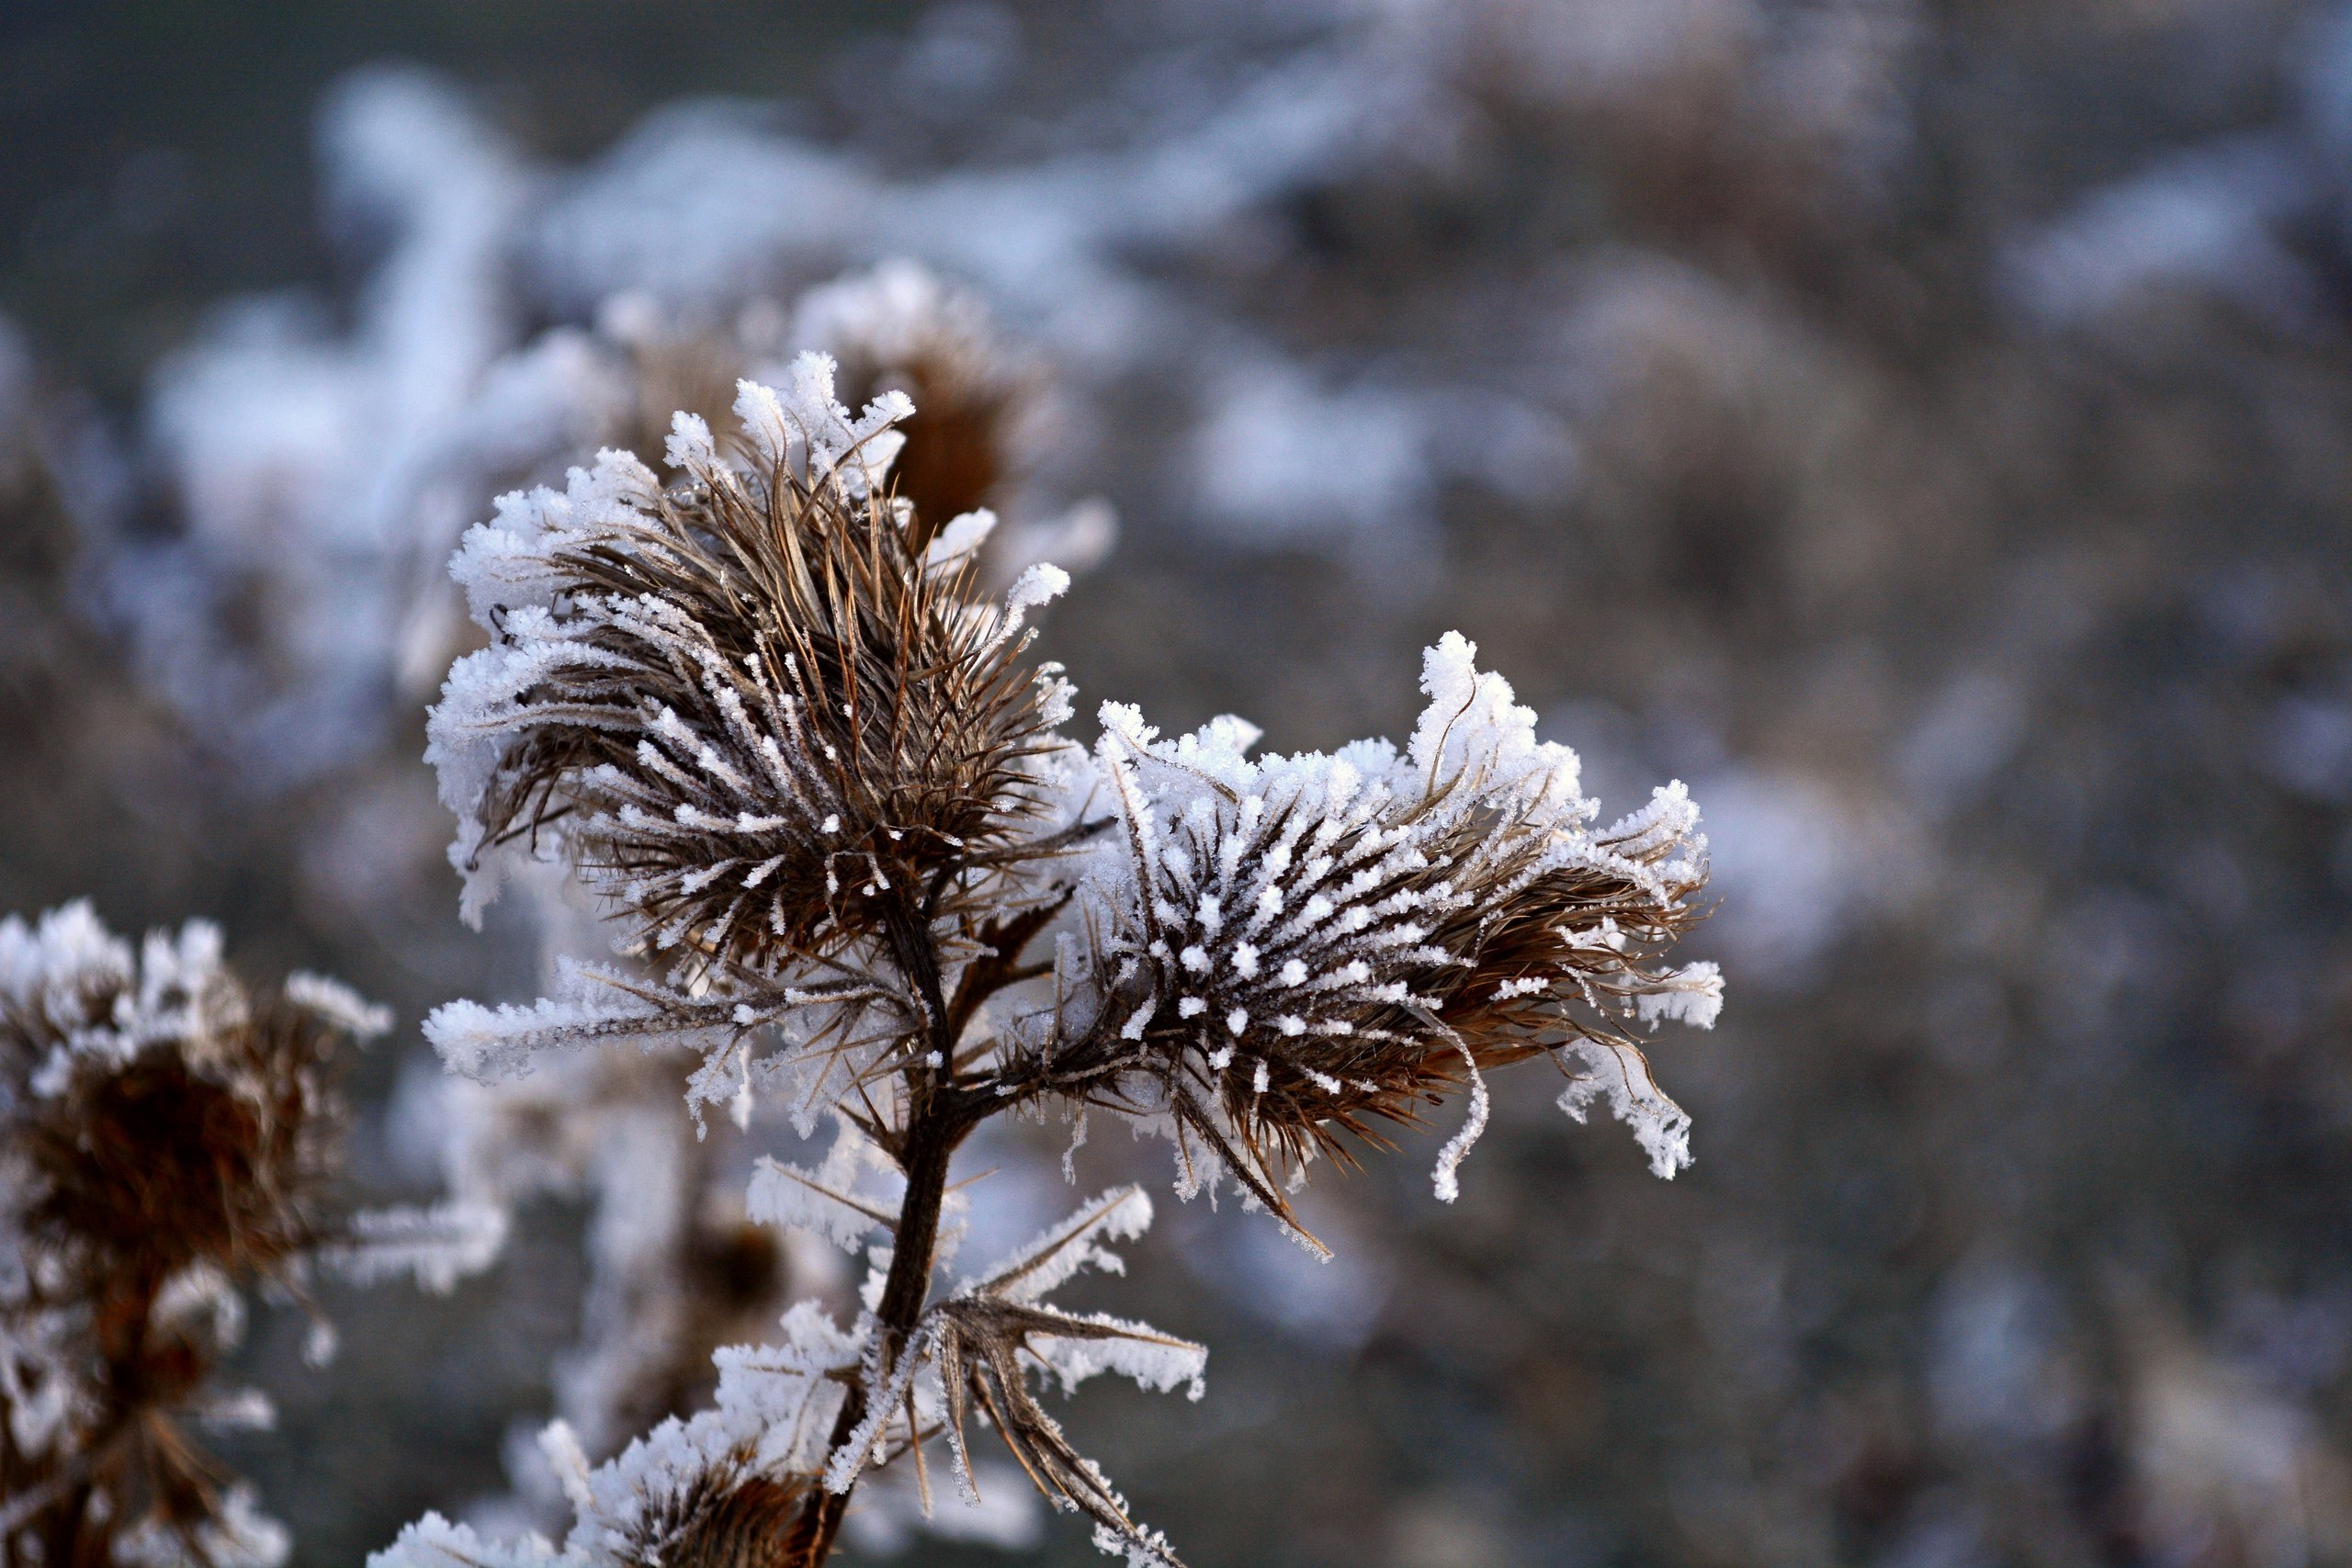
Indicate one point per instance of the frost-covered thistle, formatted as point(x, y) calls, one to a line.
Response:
point(168, 1138)
point(769, 717)
point(1301, 947)
point(755, 715)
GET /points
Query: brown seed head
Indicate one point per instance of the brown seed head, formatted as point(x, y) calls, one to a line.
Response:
point(765, 723)
point(1312, 947)
point(166, 1136)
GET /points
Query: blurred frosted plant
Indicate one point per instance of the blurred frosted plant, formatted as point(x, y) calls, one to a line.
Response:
point(1807, 103)
point(986, 411)
point(167, 1138)
point(768, 718)
point(675, 1268)
point(297, 460)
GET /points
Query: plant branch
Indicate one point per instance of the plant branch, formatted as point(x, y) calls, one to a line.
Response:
point(939, 1114)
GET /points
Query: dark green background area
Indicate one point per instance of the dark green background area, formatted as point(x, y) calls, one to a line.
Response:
point(158, 154)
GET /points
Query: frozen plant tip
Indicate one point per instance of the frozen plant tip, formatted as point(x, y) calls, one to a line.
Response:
point(899, 328)
point(168, 1137)
point(768, 716)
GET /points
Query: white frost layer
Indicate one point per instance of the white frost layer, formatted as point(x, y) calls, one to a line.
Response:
point(1620, 1075)
point(439, 1246)
point(825, 1200)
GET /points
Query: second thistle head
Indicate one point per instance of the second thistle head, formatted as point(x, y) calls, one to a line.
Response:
point(168, 1137)
point(1299, 947)
point(752, 708)
point(167, 1116)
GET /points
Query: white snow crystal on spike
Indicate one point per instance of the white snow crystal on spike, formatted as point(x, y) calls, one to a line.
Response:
point(1619, 1074)
point(1063, 1249)
point(1692, 994)
point(1137, 1352)
point(1036, 585)
point(689, 445)
point(825, 1201)
point(1670, 815)
point(779, 441)
point(1447, 1178)
point(1039, 584)
point(1473, 724)
point(800, 430)
point(961, 539)
point(39, 961)
point(439, 1246)
point(592, 1007)
point(339, 1005)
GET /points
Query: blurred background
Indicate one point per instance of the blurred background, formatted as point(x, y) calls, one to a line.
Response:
point(1924, 428)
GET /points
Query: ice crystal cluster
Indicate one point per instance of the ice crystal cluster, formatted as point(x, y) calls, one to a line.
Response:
point(773, 724)
point(167, 1139)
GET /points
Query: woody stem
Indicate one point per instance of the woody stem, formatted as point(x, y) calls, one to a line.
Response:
point(938, 1116)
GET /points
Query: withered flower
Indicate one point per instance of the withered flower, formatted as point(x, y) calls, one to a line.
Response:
point(1301, 947)
point(750, 710)
point(167, 1136)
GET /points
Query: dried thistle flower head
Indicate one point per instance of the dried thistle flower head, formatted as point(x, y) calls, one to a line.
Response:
point(1301, 947)
point(167, 1136)
point(749, 709)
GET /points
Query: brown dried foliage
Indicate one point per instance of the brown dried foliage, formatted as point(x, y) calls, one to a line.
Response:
point(729, 1520)
point(982, 1345)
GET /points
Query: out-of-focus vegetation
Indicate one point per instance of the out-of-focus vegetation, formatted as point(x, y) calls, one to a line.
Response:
point(1923, 429)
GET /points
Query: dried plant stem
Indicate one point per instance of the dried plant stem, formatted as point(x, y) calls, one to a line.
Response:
point(905, 1293)
point(939, 1114)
